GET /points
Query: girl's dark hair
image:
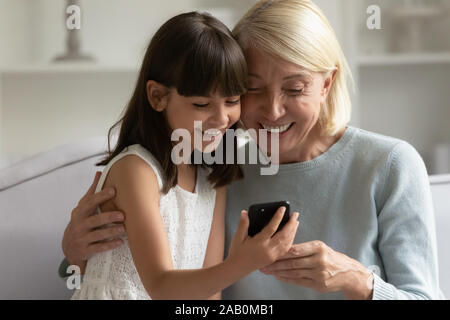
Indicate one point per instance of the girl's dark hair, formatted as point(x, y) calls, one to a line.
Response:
point(196, 54)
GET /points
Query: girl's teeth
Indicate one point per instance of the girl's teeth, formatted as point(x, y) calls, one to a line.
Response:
point(279, 129)
point(212, 132)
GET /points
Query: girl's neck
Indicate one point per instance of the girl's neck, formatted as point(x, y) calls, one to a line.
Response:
point(187, 177)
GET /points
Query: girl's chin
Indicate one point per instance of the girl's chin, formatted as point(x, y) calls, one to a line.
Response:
point(208, 146)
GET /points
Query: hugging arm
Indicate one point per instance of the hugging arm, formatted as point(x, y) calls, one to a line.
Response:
point(81, 238)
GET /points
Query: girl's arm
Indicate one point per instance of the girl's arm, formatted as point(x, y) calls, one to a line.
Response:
point(216, 242)
point(137, 196)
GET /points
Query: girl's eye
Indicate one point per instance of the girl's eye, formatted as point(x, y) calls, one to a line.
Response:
point(201, 105)
point(235, 102)
point(252, 89)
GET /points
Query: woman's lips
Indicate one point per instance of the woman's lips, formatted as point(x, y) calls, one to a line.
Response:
point(280, 135)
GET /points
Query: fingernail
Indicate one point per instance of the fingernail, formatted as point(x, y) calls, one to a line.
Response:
point(111, 191)
point(121, 229)
point(119, 216)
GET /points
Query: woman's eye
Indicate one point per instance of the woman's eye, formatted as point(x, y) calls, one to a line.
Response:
point(295, 91)
point(252, 89)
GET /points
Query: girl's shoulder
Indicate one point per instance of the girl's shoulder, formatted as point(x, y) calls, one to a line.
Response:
point(136, 157)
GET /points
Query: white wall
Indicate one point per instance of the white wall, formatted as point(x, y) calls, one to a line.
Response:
point(45, 110)
point(411, 105)
point(115, 31)
point(42, 109)
point(39, 110)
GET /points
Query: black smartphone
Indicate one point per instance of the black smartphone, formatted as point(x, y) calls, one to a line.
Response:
point(261, 214)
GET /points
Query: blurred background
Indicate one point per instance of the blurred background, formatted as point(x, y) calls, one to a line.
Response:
point(402, 70)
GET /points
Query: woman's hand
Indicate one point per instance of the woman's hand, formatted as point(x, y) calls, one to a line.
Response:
point(316, 266)
point(82, 238)
point(265, 247)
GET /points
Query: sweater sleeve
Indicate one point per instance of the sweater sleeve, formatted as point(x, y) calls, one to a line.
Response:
point(406, 234)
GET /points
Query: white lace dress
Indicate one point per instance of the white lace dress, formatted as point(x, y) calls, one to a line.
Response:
point(187, 218)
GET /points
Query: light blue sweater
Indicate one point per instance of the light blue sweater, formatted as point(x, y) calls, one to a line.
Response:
point(368, 197)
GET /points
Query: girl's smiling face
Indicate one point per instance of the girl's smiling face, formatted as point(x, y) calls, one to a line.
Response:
point(285, 96)
point(215, 112)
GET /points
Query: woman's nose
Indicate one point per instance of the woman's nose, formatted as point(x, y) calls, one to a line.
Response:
point(273, 107)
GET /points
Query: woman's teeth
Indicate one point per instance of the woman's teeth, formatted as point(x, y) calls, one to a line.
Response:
point(279, 129)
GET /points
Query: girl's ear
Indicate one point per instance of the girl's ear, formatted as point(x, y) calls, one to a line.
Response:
point(157, 95)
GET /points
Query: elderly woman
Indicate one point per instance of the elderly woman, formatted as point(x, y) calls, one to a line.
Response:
point(366, 216)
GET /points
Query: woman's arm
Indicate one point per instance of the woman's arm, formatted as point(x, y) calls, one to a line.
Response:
point(216, 242)
point(86, 234)
point(407, 236)
point(137, 196)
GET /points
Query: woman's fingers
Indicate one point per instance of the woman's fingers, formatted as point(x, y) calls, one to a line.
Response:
point(102, 219)
point(93, 186)
point(297, 274)
point(307, 248)
point(105, 234)
point(291, 264)
point(88, 205)
point(102, 246)
point(273, 224)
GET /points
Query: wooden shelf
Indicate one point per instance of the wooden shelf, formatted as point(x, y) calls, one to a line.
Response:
point(404, 59)
point(440, 179)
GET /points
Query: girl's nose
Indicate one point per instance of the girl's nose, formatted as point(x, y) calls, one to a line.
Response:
point(220, 118)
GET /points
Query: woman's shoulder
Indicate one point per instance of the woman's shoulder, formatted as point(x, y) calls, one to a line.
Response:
point(369, 142)
point(391, 150)
point(373, 140)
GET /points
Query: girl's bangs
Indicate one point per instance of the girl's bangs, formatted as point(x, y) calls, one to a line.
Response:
point(216, 65)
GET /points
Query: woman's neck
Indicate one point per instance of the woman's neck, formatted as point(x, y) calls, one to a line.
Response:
point(313, 146)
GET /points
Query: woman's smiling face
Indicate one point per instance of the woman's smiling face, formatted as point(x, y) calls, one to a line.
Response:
point(286, 96)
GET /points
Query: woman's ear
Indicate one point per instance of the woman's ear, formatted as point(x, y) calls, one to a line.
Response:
point(157, 95)
point(327, 84)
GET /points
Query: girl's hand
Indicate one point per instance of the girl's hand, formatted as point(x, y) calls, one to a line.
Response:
point(265, 247)
point(316, 266)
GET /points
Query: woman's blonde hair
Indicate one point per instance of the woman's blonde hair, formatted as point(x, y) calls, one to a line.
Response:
point(297, 31)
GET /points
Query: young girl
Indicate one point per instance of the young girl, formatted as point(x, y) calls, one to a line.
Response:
point(193, 70)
